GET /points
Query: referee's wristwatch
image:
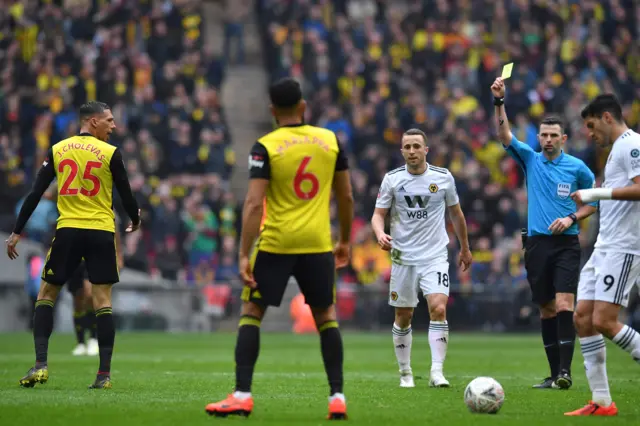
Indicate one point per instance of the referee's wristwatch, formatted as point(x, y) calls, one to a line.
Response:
point(573, 217)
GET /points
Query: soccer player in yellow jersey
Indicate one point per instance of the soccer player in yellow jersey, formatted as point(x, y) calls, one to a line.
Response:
point(84, 318)
point(87, 168)
point(295, 167)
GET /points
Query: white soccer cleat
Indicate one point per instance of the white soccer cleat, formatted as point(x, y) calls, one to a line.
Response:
point(406, 380)
point(437, 380)
point(92, 347)
point(80, 350)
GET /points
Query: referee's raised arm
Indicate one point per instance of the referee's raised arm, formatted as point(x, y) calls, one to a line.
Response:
point(504, 131)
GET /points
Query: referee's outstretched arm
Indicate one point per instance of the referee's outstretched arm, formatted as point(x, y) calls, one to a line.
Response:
point(504, 131)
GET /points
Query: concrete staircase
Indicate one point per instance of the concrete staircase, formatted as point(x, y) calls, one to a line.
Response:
point(245, 100)
point(244, 93)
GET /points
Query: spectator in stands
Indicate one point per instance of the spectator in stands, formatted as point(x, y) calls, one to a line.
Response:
point(148, 60)
point(382, 67)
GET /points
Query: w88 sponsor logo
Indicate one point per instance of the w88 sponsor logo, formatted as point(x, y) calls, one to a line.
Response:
point(418, 214)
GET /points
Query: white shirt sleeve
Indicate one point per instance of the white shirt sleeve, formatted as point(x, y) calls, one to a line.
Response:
point(631, 158)
point(452, 192)
point(385, 194)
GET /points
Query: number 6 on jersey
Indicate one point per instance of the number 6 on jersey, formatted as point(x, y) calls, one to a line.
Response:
point(303, 176)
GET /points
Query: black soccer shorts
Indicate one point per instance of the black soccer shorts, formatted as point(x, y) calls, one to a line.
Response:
point(314, 272)
point(76, 281)
point(71, 245)
point(553, 266)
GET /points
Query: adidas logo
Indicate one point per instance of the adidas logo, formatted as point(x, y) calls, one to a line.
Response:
point(402, 189)
point(401, 346)
point(442, 339)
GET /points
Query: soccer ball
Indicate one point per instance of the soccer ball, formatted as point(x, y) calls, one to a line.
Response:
point(484, 395)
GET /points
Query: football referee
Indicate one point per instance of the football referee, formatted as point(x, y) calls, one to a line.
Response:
point(552, 248)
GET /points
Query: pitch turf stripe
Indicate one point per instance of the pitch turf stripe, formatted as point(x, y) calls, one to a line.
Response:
point(622, 280)
point(626, 339)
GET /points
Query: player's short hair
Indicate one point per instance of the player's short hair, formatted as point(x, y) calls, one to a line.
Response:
point(92, 108)
point(601, 104)
point(416, 132)
point(552, 120)
point(285, 93)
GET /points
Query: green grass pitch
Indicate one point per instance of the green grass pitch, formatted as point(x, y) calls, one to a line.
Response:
point(166, 379)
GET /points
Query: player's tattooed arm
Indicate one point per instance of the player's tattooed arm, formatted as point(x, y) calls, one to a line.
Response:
point(504, 131)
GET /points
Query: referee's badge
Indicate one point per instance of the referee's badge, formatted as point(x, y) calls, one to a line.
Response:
point(564, 189)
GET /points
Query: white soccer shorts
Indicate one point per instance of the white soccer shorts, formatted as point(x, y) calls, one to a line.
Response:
point(408, 280)
point(609, 277)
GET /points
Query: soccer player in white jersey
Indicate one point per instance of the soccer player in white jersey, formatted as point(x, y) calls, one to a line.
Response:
point(614, 267)
point(418, 195)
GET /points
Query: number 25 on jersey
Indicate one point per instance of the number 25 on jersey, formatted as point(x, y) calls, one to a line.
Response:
point(87, 175)
point(305, 184)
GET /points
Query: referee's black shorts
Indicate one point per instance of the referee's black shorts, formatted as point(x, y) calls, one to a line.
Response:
point(71, 245)
point(553, 266)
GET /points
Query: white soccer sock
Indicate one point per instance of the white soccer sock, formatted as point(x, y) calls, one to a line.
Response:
point(629, 340)
point(438, 341)
point(337, 396)
point(242, 395)
point(594, 352)
point(402, 339)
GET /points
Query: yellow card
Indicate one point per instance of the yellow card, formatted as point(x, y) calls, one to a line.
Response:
point(506, 71)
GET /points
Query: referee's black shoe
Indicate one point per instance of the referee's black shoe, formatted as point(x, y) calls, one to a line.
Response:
point(545, 384)
point(563, 381)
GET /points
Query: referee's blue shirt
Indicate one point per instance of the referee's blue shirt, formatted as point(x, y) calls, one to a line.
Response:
point(549, 184)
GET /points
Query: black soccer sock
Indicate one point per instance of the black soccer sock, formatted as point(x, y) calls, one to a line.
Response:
point(106, 339)
point(42, 329)
point(79, 326)
point(332, 355)
point(566, 339)
point(90, 323)
point(247, 350)
point(550, 341)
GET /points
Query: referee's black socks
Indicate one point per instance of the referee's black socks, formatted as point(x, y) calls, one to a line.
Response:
point(106, 338)
point(42, 328)
point(332, 354)
point(247, 349)
point(550, 341)
point(566, 339)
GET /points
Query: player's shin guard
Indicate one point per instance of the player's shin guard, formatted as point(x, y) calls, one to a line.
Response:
point(332, 355)
point(629, 340)
point(438, 341)
point(90, 323)
point(42, 329)
point(594, 352)
point(566, 339)
point(78, 326)
point(550, 341)
point(247, 350)
point(402, 340)
point(106, 339)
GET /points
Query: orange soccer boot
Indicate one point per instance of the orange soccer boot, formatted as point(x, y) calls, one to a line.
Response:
point(337, 409)
point(231, 406)
point(593, 409)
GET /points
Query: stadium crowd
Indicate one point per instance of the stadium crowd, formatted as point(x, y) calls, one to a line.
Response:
point(149, 62)
point(373, 69)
